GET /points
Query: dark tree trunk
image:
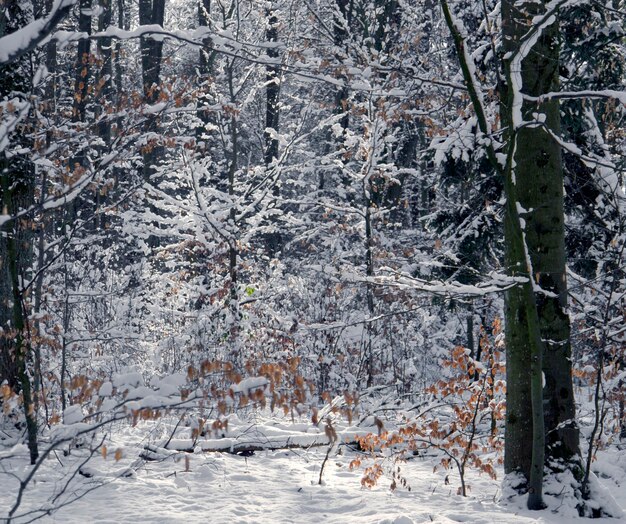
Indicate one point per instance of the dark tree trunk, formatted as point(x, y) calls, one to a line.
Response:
point(151, 12)
point(207, 56)
point(273, 239)
point(341, 22)
point(16, 193)
point(272, 90)
point(117, 62)
point(538, 188)
point(81, 80)
point(537, 325)
point(105, 80)
point(233, 252)
point(340, 28)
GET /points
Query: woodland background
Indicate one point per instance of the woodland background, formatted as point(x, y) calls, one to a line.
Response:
point(223, 206)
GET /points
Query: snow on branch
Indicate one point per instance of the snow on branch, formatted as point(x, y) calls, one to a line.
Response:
point(27, 38)
point(526, 44)
point(496, 284)
point(223, 42)
point(468, 69)
point(13, 112)
point(611, 94)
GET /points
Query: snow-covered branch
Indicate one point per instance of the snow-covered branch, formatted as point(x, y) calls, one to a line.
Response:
point(27, 38)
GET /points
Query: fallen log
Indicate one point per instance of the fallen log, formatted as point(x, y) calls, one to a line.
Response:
point(152, 453)
point(246, 444)
point(243, 444)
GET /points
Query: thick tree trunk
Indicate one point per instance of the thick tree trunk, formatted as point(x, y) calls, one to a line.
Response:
point(83, 66)
point(538, 188)
point(16, 192)
point(151, 12)
point(537, 325)
point(20, 343)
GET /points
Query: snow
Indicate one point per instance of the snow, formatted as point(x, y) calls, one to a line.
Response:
point(181, 477)
point(602, 498)
point(246, 385)
point(73, 414)
point(127, 379)
point(169, 385)
point(106, 389)
point(620, 96)
point(272, 485)
point(527, 43)
point(11, 46)
point(156, 108)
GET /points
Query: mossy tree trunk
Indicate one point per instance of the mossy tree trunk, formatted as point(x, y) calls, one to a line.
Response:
point(540, 426)
point(538, 189)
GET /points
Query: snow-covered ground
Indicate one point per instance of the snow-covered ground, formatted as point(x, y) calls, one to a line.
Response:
point(270, 486)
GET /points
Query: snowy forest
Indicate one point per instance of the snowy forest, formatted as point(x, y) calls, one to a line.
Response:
point(312, 261)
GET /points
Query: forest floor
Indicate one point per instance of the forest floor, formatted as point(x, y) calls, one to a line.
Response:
point(269, 486)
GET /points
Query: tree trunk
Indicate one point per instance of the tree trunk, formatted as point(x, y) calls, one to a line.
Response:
point(205, 69)
point(340, 29)
point(20, 343)
point(273, 239)
point(151, 12)
point(537, 325)
point(369, 272)
point(233, 252)
point(272, 90)
point(81, 80)
point(16, 192)
point(117, 61)
point(538, 188)
point(105, 52)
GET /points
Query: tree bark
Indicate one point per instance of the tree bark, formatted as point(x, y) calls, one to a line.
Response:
point(105, 80)
point(273, 239)
point(340, 28)
point(205, 69)
point(151, 12)
point(537, 325)
point(538, 189)
point(272, 90)
point(81, 80)
point(16, 192)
